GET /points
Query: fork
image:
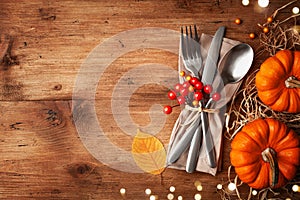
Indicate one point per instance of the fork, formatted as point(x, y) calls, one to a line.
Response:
point(190, 49)
point(193, 61)
point(191, 55)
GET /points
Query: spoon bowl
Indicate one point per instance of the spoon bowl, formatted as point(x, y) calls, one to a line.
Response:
point(236, 63)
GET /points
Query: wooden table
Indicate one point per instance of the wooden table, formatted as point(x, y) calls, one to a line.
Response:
point(42, 155)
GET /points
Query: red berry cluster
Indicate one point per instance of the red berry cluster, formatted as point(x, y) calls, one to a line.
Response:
point(190, 92)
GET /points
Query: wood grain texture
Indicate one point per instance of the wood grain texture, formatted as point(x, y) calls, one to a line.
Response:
point(43, 46)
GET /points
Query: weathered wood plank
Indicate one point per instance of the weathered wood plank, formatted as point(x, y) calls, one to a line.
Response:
point(50, 40)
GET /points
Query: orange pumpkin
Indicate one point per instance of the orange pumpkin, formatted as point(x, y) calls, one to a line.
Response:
point(278, 81)
point(265, 153)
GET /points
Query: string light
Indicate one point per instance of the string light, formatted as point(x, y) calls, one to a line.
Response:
point(245, 2)
point(170, 196)
point(153, 197)
point(296, 188)
point(295, 10)
point(254, 192)
point(231, 186)
point(148, 191)
point(263, 3)
point(198, 197)
point(180, 198)
point(198, 185)
point(219, 186)
point(199, 188)
point(172, 189)
point(122, 191)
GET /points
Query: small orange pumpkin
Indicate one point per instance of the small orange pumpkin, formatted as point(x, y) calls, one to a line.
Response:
point(265, 153)
point(278, 81)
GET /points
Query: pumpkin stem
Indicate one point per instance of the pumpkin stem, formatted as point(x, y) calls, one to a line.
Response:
point(292, 82)
point(269, 155)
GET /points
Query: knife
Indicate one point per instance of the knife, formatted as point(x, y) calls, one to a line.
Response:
point(210, 67)
point(208, 76)
point(193, 155)
point(183, 143)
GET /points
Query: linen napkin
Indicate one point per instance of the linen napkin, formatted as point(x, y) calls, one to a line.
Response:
point(216, 119)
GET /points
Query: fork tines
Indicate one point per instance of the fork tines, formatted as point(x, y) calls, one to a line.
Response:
point(191, 50)
point(189, 32)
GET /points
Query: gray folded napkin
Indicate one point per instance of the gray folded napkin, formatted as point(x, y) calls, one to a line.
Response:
point(216, 119)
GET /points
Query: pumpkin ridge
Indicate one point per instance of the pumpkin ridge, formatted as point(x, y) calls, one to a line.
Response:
point(263, 82)
point(262, 180)
point(239, 158)
point(289, 141)
point(269, 97)
point(287, 170)
point(282, 103)
point(293, 99)
point(286, 156)
point(257, 130)
point(284, 57)
point(243, 145)
point(296, 65)
point(277, 131)
point(248, 173)
point(275, 71)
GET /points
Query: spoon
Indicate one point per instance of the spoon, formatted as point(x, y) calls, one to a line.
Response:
point(234, 65)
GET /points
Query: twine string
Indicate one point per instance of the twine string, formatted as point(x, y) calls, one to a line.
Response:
point(198, 111)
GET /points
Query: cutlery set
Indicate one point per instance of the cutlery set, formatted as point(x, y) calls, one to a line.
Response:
point(235, 64)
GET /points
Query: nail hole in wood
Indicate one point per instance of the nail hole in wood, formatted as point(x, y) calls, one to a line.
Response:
point(58, 87)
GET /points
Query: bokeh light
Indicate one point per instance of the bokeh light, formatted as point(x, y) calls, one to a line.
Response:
point(245, 2)
point(231, 186)
point(295, 10)
point(263, 3)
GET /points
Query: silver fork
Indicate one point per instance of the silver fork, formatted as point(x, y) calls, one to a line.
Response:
point(191, 54)
point(190, 49)
point(193, 61)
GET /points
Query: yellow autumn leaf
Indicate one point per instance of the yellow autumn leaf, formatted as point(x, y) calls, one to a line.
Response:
point(149, 153)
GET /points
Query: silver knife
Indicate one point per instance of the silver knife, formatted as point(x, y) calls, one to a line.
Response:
point(211, 62)
point(193, 155)
point(208, 76)
point(183, 143)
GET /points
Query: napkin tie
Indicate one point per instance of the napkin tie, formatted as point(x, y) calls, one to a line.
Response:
point(201, 109)
point(198, 110)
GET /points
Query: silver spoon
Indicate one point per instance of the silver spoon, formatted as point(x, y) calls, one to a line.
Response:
point(234, 65)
